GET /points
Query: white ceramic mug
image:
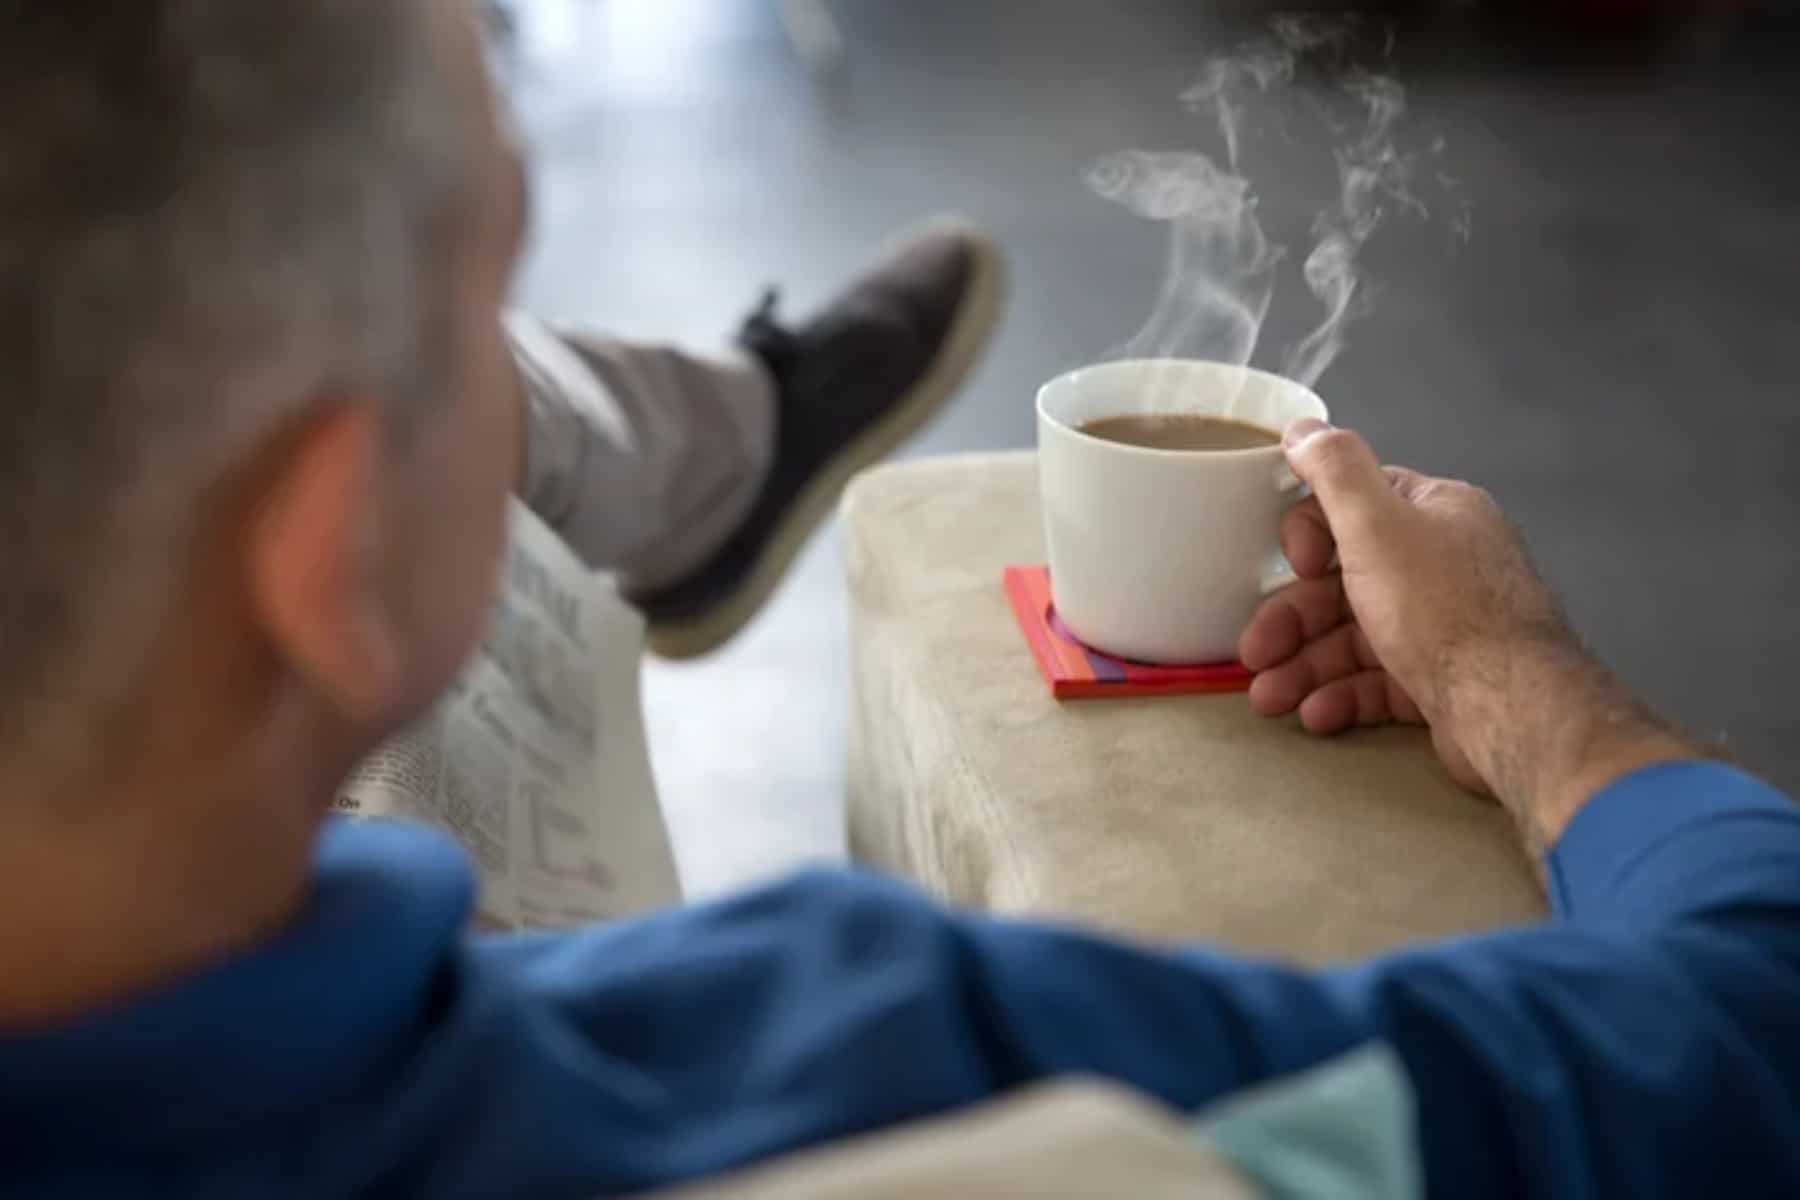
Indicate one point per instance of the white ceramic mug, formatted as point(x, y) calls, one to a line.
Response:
point(1161, 556)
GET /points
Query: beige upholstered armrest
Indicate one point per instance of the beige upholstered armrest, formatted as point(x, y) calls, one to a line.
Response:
point(1173, 818)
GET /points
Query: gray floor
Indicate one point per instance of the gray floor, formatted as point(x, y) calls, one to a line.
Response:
point(1611, 352)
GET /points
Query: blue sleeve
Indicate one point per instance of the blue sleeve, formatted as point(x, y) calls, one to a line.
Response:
point(1644, 1043)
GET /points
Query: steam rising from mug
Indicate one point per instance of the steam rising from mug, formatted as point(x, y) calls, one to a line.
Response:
point(1221, 271)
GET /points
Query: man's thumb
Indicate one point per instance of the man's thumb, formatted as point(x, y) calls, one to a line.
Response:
point(1341, 470)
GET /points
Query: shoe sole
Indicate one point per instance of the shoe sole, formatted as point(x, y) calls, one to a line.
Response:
point(969, 332)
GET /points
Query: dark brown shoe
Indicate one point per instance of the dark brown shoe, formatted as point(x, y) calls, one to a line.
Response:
point(853, 384)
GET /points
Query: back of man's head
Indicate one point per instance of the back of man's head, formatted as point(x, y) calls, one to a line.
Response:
point(211, 211)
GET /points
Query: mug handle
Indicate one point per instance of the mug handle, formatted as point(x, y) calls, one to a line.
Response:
point(1279, 574)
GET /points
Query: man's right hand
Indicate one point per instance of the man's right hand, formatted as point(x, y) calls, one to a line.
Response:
point(1418, 602)
point(1429, 568)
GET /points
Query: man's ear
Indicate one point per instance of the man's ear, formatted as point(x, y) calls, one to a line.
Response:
point(315, 559)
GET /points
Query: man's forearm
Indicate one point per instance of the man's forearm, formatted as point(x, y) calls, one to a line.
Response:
point(1548, 726)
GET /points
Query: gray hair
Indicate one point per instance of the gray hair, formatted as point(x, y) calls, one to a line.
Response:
point(211, 212)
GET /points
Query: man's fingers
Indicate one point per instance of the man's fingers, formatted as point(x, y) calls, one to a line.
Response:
point(1290, 619)
point(1306, 539)
point(1343, 473)
point(1366, 698)
point(1407, 483)
point(1342, 652)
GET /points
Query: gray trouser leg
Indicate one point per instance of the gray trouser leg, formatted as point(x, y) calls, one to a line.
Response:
point(644, 458)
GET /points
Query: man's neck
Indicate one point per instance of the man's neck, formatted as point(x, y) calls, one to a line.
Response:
point(108, 891)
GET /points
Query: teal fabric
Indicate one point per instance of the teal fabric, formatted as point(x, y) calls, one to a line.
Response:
point(1342, 1131)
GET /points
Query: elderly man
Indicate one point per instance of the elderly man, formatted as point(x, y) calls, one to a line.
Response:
point(258, 424)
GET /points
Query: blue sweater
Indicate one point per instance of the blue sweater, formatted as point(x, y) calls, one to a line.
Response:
point(1644, 1042)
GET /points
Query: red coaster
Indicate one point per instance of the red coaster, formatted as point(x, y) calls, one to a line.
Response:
point(1075, 672)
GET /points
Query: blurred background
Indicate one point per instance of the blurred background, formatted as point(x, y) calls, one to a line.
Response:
point(1611, 350)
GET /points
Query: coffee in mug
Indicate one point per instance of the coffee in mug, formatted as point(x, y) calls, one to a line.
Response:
point(1181, 431)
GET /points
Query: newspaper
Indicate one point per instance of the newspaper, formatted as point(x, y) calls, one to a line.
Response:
point(536, 759)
